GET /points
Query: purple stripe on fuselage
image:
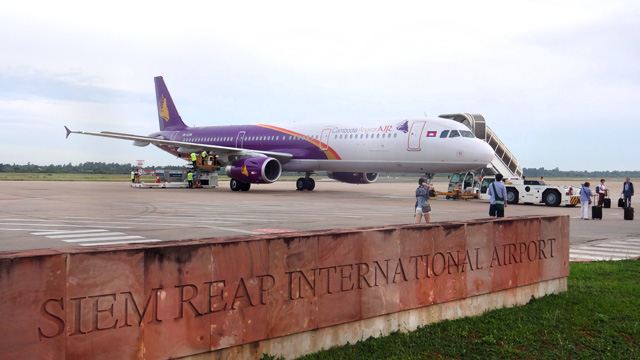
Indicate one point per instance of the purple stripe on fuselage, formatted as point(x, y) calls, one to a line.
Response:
point(254, 138)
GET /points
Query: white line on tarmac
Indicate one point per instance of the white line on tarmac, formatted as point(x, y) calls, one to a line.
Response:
point(14, 229)
point(70, 236)
point(617, 245)
point(108, 238)
point(616, 252)
point(593, 257)
point(235, 230)
point(65, 225)
point(120, 242)
point(185, 222)
point(60, 232)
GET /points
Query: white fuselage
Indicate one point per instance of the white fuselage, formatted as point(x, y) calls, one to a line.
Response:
point(420, 145)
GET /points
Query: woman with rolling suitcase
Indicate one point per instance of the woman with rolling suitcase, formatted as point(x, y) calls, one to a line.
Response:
point(585, 200)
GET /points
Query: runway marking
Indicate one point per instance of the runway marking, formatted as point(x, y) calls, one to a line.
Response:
point(126, 237)
point(63, 225)
point(91, 237)
point(60, 232)
point(235, 230)
point(70, 236)
point(609, 250)
point(25, 229)
point(273, 231)
point(121, 242)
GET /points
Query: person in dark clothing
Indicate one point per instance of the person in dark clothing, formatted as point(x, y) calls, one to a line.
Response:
point(627, 192)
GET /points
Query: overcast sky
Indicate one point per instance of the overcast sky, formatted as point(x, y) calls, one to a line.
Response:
point(558, 81)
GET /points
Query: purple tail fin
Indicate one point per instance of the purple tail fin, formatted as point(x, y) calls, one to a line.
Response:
point(167, 113)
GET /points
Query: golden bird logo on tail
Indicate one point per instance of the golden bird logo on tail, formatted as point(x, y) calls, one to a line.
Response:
point(163, 109)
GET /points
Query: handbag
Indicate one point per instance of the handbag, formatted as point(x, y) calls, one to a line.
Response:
point(426, 207)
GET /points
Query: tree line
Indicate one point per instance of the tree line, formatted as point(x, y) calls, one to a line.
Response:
point(114, 168)
point(82, 168)
point(534, 173)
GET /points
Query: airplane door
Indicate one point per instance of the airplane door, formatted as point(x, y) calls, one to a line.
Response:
point(324, 139)
point(174, 135)
point(240, 139)
point(415, 135)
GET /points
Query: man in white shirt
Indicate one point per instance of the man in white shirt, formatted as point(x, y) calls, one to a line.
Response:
point(602, 191)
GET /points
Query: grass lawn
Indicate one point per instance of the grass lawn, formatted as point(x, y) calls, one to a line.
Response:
point(597, 318)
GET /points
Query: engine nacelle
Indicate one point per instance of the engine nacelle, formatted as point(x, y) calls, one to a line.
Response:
point(255, 170)
point(353, 178)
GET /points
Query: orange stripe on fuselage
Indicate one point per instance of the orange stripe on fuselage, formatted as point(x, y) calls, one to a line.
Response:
point(330, 153)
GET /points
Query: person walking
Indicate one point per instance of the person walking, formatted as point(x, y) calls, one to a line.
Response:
point(423, 208)
point(602, 192)
point(498, 194)
point(190, 179)
point(585, 200)
point(627, 192)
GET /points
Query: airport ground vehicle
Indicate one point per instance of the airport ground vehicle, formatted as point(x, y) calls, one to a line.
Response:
point(471, 185)
point(534, 192)
point(474, 184)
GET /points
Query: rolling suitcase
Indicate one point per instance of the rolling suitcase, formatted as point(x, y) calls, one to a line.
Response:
point(621, 202)
point(596, 212)
point(628, 213)
point(607, 203)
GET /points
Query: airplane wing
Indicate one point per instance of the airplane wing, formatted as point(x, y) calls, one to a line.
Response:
point(187, 147)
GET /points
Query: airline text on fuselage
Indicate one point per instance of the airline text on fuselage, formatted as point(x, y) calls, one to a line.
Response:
point(382, 129)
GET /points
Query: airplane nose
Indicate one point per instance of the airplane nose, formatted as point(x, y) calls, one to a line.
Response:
point(485, 152)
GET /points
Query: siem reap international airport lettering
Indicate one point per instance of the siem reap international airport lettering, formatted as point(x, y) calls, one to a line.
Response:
point(97, 312)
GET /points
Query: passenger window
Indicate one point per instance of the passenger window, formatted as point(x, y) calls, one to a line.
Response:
point(454, 133)
point(444, 134)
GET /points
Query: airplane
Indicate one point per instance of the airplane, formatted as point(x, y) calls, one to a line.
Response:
point(349, 152)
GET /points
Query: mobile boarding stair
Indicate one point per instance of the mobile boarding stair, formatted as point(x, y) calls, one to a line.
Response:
point(503, 161)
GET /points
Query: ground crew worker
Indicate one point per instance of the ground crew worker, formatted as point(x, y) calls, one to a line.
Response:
point(194, 158)
point(204, 158)
point(190, 179)
point(133, 176)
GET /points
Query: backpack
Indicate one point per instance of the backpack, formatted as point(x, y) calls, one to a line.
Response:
point(421, 191)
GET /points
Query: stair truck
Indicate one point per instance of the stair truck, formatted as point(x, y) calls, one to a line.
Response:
point(475, 184)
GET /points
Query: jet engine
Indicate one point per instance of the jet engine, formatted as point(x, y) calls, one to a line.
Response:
point(353, 178)
point(258, 170)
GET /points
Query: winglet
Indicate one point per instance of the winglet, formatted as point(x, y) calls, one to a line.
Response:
point(68, 131)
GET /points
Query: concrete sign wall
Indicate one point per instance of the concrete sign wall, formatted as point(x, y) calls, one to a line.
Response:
point(287, 294)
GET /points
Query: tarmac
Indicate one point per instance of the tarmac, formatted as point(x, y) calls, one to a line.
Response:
point(43, 215)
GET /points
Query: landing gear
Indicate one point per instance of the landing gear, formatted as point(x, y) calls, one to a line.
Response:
point(305, 183)
point(236, 185)
point(428, 177)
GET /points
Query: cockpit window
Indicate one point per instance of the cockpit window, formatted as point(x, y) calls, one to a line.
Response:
point(444, 134)
point(454, 133)
point(466, 133)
